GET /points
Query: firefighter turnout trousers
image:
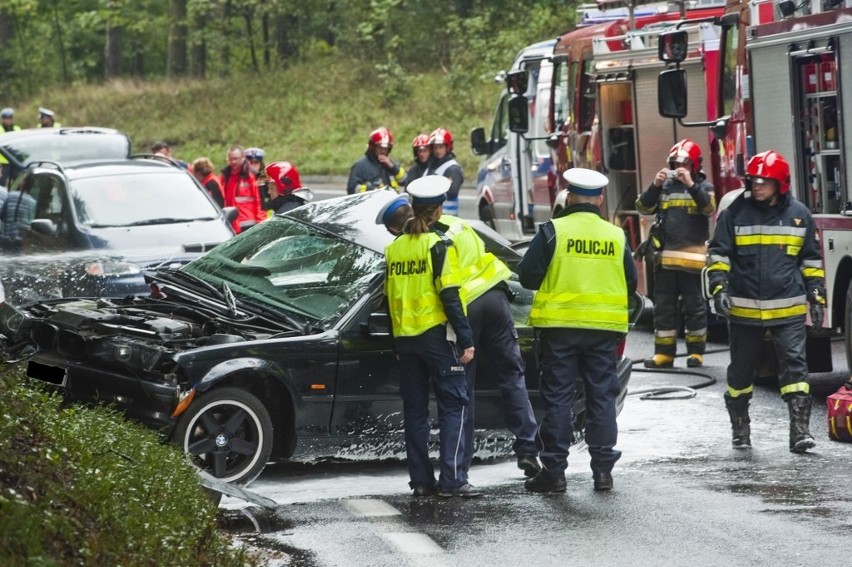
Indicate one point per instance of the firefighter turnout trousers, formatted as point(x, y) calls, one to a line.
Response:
point(430, 360)
point(566, 355)
point(497, 349)
point(669, 285)
point(789, 341)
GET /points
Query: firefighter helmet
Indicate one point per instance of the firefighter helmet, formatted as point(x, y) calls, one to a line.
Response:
point(769, 165)
point(381, 137)
point(442, 136)
point(685, 149)
point(285, 175)
point(419, 141)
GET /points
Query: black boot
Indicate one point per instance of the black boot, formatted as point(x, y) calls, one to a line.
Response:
point(740, 428)
point(800, 416)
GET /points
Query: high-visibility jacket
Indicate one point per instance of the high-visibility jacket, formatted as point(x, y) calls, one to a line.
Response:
point(479, 270)
point(767, 259)
point(412, 286)
point(685, 227)
point(585, 286)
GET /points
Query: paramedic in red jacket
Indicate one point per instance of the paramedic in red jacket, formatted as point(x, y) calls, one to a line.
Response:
point(240, 189)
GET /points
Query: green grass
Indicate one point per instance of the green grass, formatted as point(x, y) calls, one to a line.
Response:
point(315, 115)
point(83, 486)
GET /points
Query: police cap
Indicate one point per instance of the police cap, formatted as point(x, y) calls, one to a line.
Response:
point(585, 182)
point(390, 208)
point(429, 190)
point(7, 113)
point(45, 111)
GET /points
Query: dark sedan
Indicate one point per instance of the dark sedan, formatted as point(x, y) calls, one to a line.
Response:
point(275, 345)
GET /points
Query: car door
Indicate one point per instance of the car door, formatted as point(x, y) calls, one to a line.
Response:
point(49, 230)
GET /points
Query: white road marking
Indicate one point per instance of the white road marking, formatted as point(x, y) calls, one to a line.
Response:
point(370, 508)
point(412, 543)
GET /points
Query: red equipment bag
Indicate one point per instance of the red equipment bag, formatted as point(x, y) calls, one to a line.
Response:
point(840, 413)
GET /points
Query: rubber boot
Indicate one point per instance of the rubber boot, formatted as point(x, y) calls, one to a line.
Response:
point(660, 361)
point(740, 428)
point(800, 416)
point(694, 360)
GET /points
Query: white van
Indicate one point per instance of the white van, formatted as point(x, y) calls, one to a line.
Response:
point(514, 190)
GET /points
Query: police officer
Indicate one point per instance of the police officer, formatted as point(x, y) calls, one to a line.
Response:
point(486, 294)
point(683, 201)
point(433, 341)
point(45, 118)
point(764, 268)
point(7, 118)
point(584, 274)
point(395, 213)
point(376, 170)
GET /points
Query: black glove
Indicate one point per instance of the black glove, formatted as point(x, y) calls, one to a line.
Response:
point(722, 303)
point(817, 315)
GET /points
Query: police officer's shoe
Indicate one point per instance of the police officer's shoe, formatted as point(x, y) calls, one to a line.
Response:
point(465, 491)
point(424, 491)
point(660, 361)
point(694, 360)
point(602, 480)
point(529, 464)
point(542, 482)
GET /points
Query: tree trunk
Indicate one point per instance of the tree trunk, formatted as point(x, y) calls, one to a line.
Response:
point(113, 48)
point(264, 22)
point(176, 60)
point(250, 35)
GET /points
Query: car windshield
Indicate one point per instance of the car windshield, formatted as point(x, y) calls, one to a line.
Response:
point(291, 266)
point(67, 147)
point(136, 199)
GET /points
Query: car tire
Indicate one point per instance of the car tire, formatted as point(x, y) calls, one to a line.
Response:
point(486, 215)
point(227, 432)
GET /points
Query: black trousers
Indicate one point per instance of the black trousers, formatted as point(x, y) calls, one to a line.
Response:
point(669, 287)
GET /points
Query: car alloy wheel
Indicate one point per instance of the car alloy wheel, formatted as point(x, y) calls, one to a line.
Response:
point(228, 433)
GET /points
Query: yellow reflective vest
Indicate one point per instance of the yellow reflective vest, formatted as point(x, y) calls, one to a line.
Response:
point(479, 270)
point(411, 285)
point(585, 286)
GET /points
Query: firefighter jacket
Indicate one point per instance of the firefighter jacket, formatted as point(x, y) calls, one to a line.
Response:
point(367, 174)
point(683, 214)
point(767, 259)
point(479, 270)
point(585, 285)
point(421, 285)
point(240, 191)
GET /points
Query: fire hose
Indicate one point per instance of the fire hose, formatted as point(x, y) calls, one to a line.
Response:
point(673, 392)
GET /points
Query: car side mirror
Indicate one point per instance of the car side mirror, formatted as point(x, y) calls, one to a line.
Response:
point(477, 142)
point(377, 325)
point(230, 214)
point(43, 226)
point(671, 93)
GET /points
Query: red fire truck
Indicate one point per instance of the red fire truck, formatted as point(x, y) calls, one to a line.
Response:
point(784, 78)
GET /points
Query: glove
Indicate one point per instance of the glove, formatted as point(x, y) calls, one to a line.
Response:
point(817, 314)
point(722, 303)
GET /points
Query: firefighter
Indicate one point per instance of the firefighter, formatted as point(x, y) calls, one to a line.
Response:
point(433, 341)
point(683, 201)
point(764, 268)
point(422, 151)
point(584, 274)
point(376, 170)
point(286, 191)
point(486, 295)
point(444, 163)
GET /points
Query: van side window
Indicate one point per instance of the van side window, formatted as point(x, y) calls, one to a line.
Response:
point(500, 128)
point(561, 100)
point(588, 92)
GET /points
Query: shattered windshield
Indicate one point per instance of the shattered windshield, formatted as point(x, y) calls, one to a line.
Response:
point(293, 267)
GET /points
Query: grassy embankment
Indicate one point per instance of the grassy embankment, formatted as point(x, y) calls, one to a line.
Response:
point(316, 116)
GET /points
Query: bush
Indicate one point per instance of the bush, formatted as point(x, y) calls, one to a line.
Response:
point(82, 486)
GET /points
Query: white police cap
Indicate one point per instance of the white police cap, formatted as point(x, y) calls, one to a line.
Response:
point(7, 113)
point(45, 111)
point(391, 207)
point(429, 190)
point(585, 182)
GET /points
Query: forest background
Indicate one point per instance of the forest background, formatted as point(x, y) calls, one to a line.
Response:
point(306, 80)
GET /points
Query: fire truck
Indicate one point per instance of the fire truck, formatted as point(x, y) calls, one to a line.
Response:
point(783, 79)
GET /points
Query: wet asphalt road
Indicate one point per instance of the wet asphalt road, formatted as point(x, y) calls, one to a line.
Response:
point(682, 495)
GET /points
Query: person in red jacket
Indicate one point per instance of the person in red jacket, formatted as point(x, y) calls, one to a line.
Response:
point(240, 189)
point(203, 170)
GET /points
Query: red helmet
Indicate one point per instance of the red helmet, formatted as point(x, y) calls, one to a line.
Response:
point(285, 175)
point(381, 137)
point(442, 136)
point(685, 149)
point(770, 165)
point(419, 141)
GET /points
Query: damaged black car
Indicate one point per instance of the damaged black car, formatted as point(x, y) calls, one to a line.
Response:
point(275, 345)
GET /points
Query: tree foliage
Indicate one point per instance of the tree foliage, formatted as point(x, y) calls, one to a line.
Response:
point(64, 42)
